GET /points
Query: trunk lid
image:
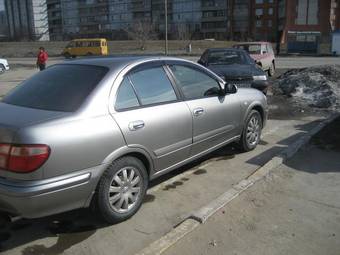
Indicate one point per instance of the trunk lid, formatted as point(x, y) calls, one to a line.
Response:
point(13, 118)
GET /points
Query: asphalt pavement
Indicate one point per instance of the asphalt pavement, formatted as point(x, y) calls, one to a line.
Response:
point(169, 201)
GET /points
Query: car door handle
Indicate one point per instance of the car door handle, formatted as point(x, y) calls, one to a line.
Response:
point(135, 125)
point(198, 111)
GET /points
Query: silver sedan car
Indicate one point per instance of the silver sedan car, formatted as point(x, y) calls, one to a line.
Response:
point(96, 131)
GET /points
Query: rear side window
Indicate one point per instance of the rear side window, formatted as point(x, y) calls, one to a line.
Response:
point(153, 86)
point(126, 97)
point(58, 88)
point(193, 83)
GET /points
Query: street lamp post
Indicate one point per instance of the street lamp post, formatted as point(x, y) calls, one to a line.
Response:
point(166, 25)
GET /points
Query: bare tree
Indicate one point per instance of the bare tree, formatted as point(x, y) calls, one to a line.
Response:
point(142, 31)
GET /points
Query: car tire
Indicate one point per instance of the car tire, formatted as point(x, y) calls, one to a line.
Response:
point(67, 55)
point(121, 189)
point(2, 69)
point(271, 71)
point(251, 134)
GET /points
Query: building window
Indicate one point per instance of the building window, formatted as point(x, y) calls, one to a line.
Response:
point(313, 9)
point(259, 23)
point(270, 1)
point(307, 12)
point(259, 1)
point(270, 11)
point(259, 12)
point(270, 23)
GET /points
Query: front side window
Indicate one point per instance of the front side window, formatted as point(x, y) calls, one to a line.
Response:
point(58, 88)
point(126, 97)
point(153, 86)
point(194, 84)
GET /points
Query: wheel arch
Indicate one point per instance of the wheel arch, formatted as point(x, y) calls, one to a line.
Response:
point(136, 152)
point(257, 107)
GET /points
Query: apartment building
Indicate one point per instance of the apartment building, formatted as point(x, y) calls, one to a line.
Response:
point(264, 17)
point(112, 18)
point(3, 25)
point(27, 19)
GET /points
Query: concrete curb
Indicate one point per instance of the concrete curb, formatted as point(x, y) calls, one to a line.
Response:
point(203, 214)
point(165, 242)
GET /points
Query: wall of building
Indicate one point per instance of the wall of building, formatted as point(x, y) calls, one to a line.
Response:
point(27, 19)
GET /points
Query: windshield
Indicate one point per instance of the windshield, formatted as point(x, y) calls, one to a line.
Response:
point(227, 58)
point(251, 48)
point(58, 88)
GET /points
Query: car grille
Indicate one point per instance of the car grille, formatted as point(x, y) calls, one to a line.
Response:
point(241, 82)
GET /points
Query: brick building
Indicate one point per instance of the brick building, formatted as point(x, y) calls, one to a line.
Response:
point(264, 20)
point(306, 26)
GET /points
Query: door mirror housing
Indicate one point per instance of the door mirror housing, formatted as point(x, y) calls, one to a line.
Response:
point(201, 62)
point(230, 88)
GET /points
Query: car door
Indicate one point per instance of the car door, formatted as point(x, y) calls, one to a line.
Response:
point(216, 118)
point(152, 117)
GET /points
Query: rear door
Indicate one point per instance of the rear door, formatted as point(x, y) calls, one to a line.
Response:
point(152, 117)
point(216, 118)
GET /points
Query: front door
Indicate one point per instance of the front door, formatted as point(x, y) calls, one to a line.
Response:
point(151, 116)
point(216, 118)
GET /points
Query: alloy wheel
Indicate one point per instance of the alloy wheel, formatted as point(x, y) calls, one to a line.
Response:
point(253, 130)
point(125, 189)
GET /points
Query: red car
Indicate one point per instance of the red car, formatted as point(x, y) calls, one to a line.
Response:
point(262, 53)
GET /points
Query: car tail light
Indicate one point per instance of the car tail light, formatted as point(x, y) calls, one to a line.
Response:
point(23, 158)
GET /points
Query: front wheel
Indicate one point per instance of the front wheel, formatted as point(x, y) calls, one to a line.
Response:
point(122, 189)
point(251, 134)
point(271, 71)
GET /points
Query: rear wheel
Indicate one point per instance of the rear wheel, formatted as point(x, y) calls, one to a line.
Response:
point(122, 189)
point(2, 69)
point(251, 134)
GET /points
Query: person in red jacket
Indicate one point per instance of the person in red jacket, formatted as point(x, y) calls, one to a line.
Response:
point(42, 59)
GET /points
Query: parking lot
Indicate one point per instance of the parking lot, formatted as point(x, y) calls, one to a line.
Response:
point(172, 198)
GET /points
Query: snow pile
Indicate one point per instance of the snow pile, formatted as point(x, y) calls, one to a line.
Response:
point(315, 86)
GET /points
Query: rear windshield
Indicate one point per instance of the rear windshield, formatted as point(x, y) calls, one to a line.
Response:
point(58, 88)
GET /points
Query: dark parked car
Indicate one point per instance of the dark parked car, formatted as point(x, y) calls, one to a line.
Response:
point(236, 67)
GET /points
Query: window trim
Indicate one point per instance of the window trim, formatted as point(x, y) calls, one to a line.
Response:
point(141, 67)
point(198, 69)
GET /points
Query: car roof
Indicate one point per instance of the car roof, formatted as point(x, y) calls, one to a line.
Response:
point(250, 43)
point(113, 62)
point(226, 49)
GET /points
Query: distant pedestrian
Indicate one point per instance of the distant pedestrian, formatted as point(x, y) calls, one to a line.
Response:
point(42, 59)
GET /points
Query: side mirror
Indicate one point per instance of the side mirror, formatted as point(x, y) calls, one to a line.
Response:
point(230, 88)
point(201, 62)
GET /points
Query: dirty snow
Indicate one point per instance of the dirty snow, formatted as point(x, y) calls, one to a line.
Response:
point(313, 87)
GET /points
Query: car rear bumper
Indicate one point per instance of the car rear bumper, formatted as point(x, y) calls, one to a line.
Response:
point(34, 199)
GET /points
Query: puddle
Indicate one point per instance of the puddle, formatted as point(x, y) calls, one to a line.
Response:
point(174, 185)
point(149, 198)
point(225, 158)
point(263, 142)
point(200, 171)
